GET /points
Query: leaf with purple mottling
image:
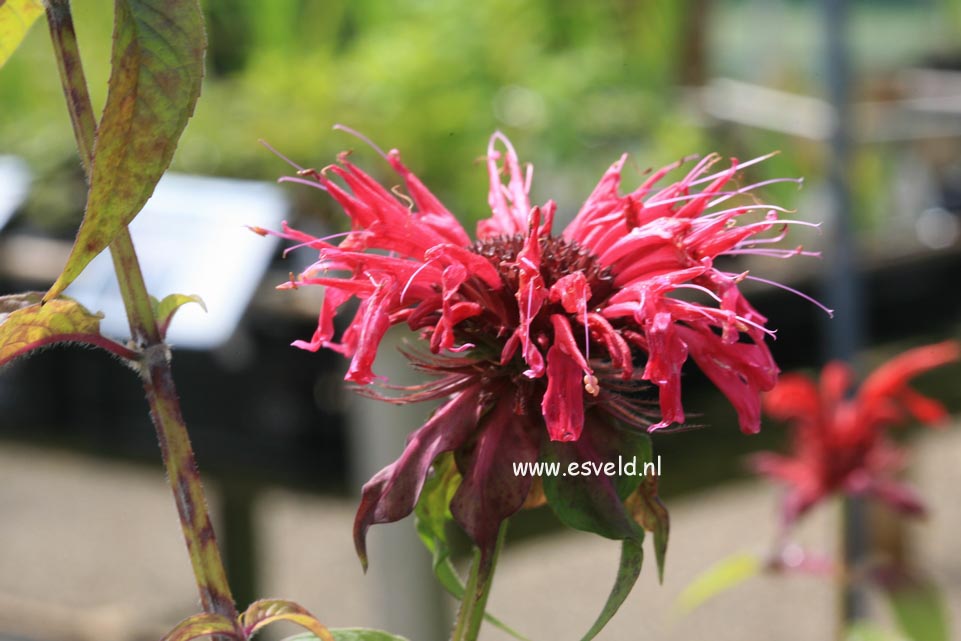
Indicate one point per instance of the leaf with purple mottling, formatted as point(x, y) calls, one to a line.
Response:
point(157, 67)
point(266, 611)
point(202, 625)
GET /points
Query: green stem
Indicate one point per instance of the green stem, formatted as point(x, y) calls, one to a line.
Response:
point(470, 616)
point(178, 456)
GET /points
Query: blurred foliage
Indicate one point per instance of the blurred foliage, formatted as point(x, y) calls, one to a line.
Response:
point(574, 84)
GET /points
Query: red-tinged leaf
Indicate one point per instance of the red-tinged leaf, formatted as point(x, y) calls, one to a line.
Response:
point(490, 491)
point(352, 634)
point(157, 66)
point(16, 18)
point(266, 611)
point(26, 325)
point(393, 492)
point(629, 568)
point(202, 625)
point(165, 309)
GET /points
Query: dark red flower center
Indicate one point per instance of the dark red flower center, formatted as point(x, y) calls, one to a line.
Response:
point(559, 257)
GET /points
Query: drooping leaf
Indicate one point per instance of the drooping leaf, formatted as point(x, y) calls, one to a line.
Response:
point(632, 557)
point(352, 634)
point(26, 325)
point(16, 18)
point(266, 611)
point(431, 516)
point(202, 625)
point(598, 473)
point(720, 577)
point(156, 71)
point(648, 510)
point(918, 607)
point(165, 309)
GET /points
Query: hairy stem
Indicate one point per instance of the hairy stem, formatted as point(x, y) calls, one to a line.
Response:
point(67, 53)
point(178, 456)
point(472, 608)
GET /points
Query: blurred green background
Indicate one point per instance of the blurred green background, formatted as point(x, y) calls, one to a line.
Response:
point(574, 84)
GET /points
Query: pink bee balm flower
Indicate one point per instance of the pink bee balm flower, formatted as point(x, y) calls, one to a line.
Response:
point(537, 335)
point(839, 443)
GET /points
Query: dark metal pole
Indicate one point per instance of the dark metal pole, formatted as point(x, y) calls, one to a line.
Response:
point(842, 287)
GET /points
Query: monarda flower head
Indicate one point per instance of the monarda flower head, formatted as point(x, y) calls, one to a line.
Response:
point(839, 441)
point(540, 339)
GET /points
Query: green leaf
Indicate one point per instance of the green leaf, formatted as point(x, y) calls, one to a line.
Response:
point(165, 309)
point(589, 501)
point(431, 516)
point(720, 577)
point(16, 18)
point(157, 66)
point(266, 611)
point(599, 502)
point(866, 631)
point(26, 325)
point(632, 556)
point(352, 634)
point(918, 608)
point(201, 625)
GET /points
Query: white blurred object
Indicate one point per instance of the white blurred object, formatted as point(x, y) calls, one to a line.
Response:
point(14, 186)
point(937, 228)
point(192, 238)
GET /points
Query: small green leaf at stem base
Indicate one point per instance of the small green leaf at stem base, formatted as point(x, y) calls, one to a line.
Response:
point(164, 310)
point(720, 577)
point(431, 516)
point(156, 72)
point(16, 18)
point(26, 326)
point(351, 634)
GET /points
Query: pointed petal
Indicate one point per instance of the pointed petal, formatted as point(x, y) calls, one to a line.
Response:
point(392, 493)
